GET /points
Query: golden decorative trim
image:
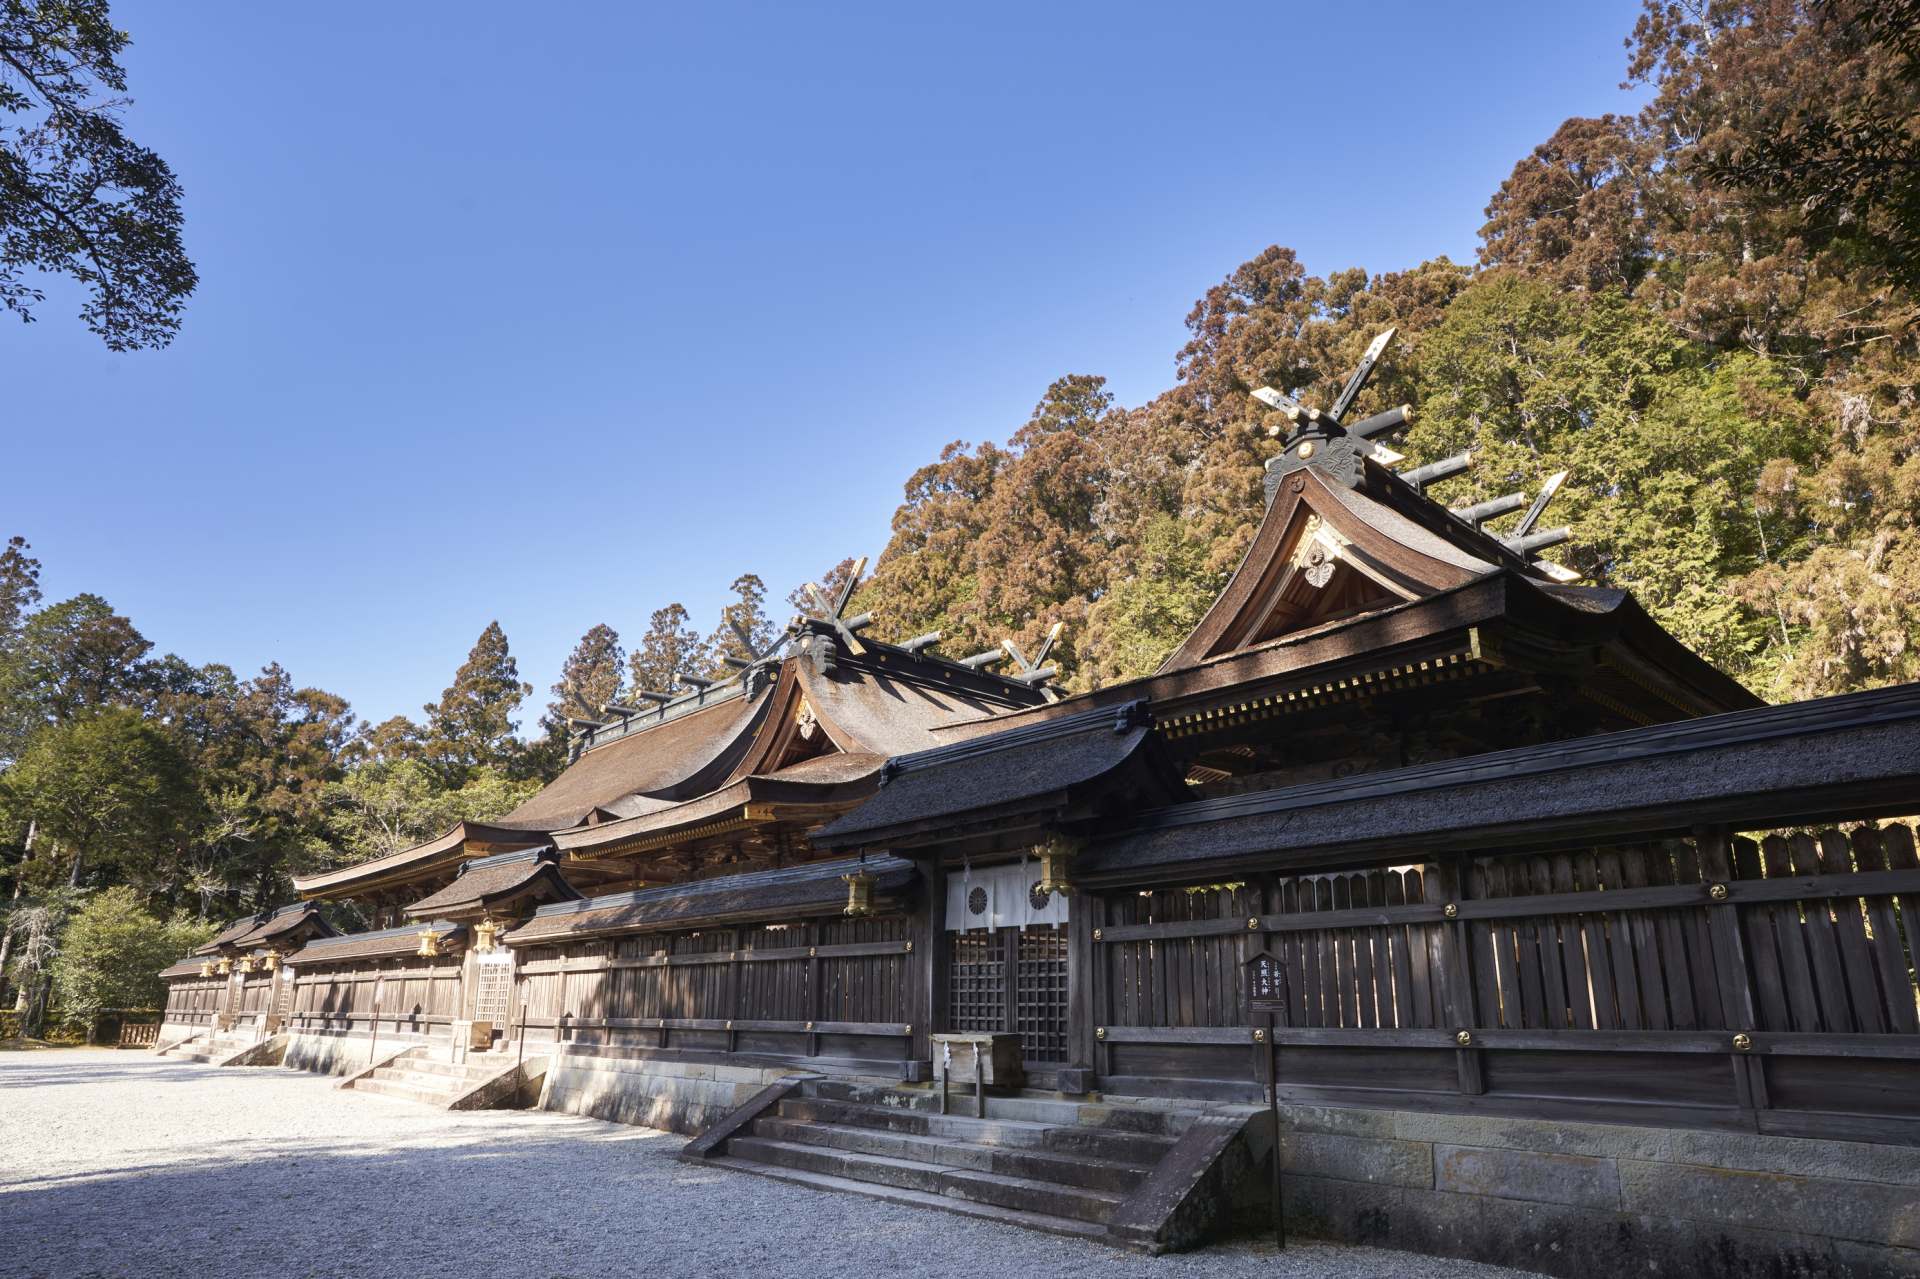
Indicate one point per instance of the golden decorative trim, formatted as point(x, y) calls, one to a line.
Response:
point(1345, 688)
point(1743, 1042)
point(749, 815)
point(1464, 1039)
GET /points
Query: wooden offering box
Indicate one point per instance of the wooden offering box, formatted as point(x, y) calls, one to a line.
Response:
point(984, 1058)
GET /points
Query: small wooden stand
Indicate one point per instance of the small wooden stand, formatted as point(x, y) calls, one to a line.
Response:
point(992, 1059)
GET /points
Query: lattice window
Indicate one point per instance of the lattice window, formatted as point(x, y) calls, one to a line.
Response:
point(490, 993)
point(977, 993)
point(1040, 993)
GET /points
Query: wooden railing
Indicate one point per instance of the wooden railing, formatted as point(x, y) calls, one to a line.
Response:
point(139, 1034)
point(1766, 983)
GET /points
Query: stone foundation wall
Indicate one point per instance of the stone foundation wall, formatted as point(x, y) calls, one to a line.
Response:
point(1581, 1200)
point(675, 1096)
point(343, 1054)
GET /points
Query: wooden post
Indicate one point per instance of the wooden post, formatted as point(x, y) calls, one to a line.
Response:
point(934, 948)
point(1457, 956)
point(1009, 977)
point(812, 934)
point(1081, 959)
point(1732, 973)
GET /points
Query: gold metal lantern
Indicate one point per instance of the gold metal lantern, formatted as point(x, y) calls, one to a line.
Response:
point(206, 968)
point(1056, 854)
point(429, 944)
point(859, 893)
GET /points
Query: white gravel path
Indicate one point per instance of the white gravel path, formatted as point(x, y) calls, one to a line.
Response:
point(117, 1164)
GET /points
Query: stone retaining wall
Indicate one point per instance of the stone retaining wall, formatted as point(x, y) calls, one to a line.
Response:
point(677, 1096)
point(340, 1054)
point(1578, 1199)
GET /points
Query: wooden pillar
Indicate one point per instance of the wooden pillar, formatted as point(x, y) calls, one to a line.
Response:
point(1457, 955)
point(814, 994)
point(934, 947)
point(1082, 961)
point(1099, 990)
point(1733, 974)
point(1009, 976)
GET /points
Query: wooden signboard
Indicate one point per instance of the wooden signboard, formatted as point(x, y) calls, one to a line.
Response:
point(1266, 985)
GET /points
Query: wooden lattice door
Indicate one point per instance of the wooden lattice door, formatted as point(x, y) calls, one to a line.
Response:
point(1012, 980)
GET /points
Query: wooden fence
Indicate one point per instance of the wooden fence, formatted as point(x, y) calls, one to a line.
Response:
point(194, 1001)
point(409, 996)
point(831, 991)
point(1758, 982)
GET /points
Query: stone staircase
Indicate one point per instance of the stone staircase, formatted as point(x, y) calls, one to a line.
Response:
point(205, 1049)
point(1035, 1160)
point(414, 1076)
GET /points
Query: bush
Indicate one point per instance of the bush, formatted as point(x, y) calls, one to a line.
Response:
point(112, 954)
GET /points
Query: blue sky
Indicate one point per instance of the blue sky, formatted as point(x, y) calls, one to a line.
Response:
point(554, 315)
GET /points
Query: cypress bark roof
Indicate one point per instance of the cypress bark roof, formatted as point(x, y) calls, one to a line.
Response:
point(1034, 775)
point(188, 967)
point(815, 888)
point(1763, 767)
point(267, 926)
point(491, 881)
point(385, 943)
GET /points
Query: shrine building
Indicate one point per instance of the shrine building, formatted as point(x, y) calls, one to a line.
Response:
point(1535, 937)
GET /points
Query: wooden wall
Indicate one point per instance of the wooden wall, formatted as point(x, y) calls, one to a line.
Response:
point(831, 991)
point(1604, 983)
point(194, 1001)
point(411, 996)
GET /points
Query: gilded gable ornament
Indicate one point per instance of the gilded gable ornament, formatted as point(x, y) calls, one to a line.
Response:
point(805, 721)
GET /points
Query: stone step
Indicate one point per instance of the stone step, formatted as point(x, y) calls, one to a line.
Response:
point(1090, 1140)
point(426, 1094)
point(917, 1198)
point(1039, 1197)
point(456, 1077)
point(1083, 1171)
point(1030, 1107)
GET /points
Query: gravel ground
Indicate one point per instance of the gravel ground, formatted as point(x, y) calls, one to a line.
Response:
point(117, 1164)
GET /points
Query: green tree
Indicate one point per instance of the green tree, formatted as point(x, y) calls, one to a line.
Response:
point(1666, 442)
point(66, 660)
point(472, 726)
point(670, 648)
point(111, 954)
point(384, 807)
point(745, 615)
point(77, 196)
point(111, 792)
point(19, 590)
point(590, 677)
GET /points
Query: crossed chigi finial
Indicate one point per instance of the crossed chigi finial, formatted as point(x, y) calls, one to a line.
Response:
point(1324, 441)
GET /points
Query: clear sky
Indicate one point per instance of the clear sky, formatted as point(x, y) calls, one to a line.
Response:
point(554, 314)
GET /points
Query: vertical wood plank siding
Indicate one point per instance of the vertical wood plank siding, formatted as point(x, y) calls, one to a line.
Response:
point(1595, 977)
point(834, 990)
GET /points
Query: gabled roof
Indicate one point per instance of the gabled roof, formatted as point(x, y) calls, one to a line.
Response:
point(282, 925)
point(1023, 779)
point(385, 943)
point(813, 889)
point(1369, 547)
point(497, 881)
point(807, 731)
